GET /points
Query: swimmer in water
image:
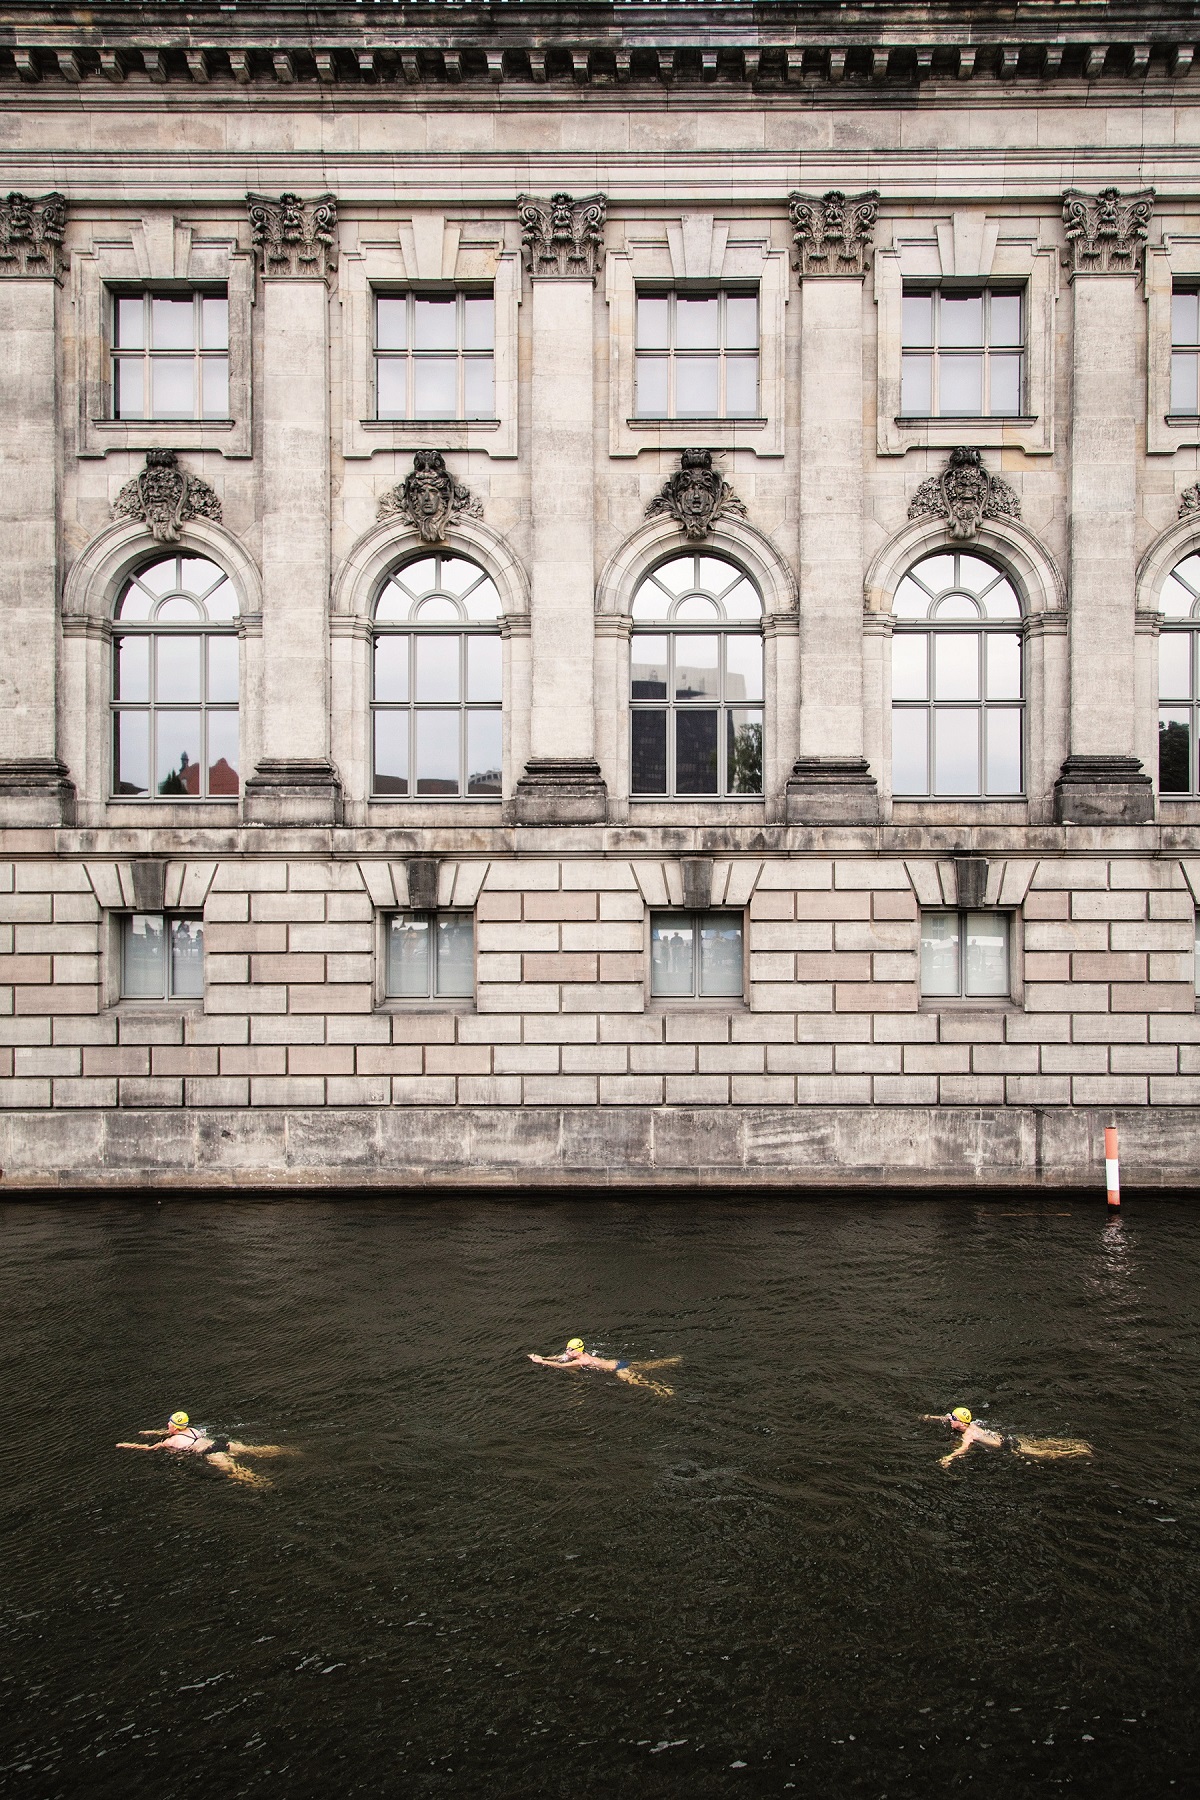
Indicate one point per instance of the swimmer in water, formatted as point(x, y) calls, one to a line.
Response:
point(970, 1431)
point(185, 1439)
point(577, 1356)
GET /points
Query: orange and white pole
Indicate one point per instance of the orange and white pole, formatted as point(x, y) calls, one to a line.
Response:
point(1112, 1165)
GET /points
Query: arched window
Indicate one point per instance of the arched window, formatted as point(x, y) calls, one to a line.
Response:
point(957, 680)
point(1178, 693)
point(175, 683)
point(696, 679)
point(437, 684)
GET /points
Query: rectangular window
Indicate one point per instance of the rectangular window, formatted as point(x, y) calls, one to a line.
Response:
point(1185, 351)
point(697, 355)
point(964, 353)
point(430, 956)
point(435, 356)
point(162, 957)
point(696, 955)
point(964, 955)
point(170, 355)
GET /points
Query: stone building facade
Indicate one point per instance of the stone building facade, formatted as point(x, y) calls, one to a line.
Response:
point(598, 595)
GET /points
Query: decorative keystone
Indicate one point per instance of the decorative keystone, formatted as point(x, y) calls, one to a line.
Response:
point(164, 497)
point(965, 494)
point(429, 498)
point(696, 495)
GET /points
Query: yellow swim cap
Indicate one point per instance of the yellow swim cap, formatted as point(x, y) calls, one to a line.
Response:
point(575, 1344)
point(179, 1418)
point(962, 1415)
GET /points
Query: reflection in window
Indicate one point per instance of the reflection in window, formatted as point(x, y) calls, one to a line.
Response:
point(696, 955)
point(162, 957)
point(963, 353)
point(175, 683)
point(1178, 693)
point(696, 680)
point(964, 955)
point(957, 680)
point(170, 356)
point(430, 956)
point(437, 721)
point(1185, 351)
point(697, 356)
point(434, 356)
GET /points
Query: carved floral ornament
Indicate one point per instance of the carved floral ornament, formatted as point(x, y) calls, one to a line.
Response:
point(1189, 501)
point(429, 498)
point(833, 235)
point(1106, 232)
point(965, 494)
point(293, 236)
point(562, 236)
point(696, 495)
point(31, 235)
point(164, 497)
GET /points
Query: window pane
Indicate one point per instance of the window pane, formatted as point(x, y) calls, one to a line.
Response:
point(1003, 728)
point(917, 321)
point(129, 387)
point(222, 668)
point(647, 667)
point(172, 324)
point(178, 673)
point(697, 670)
point(1005, 376)
point(916, 387)
point(1174, 666)
point(187, 959)
point(671, 939)
point(214, 387)
point(172, 387)
point(1183, 381)
point(653, 323)
point(177, 753)
point(910, 666)
point(910, 750)
point(391, 387)
point(960, 318)
point(960, 385)
point(214, 322)
point(743, 667)
point(651, 402)
point(479, 330)
point(143, 957)
point(648, 772)
point(696, 323)
point(131, 753)
point(455, 954)
point(987, 953)
point(438, 752)
point(695, 752)
point(741, 321)
point(939, 953)
point(741, 387)
point(438, 667)
point(435, 387)
point(1174, 752)
point(955, 665)
point(1185, 318)
point(744, 751)
point(720, 954)
point(391, 667)
point(391, 753)
point(391, 322)
point(485, 746)
point(1006, 319)
point(696, 387)
point(409, 957)
point(955, 750)
point(480, 397)
point(1003, 666)
point(484, 668)
point(435, 324)
point(133, 668)
point(223, 781)
point(131, 323)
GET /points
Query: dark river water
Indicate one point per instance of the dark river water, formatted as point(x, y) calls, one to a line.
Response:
point(488, 1579)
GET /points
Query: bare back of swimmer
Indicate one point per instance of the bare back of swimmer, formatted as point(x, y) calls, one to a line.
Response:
point(971, 1432)
point(182, 1438)
point(577, 1356)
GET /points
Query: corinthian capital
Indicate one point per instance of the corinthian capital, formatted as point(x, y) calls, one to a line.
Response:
point(1106, 232)
point(562, 236)
point(832, 234)
point(294, 236)
point(31, 235)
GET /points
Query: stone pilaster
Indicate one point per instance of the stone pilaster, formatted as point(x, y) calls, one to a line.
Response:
point(1102, 779)
point(295, 782)
point(562, 783)
point(34, 784)
point(831, 782)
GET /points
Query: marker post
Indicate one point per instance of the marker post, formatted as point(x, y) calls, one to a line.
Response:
point(1112, 1166)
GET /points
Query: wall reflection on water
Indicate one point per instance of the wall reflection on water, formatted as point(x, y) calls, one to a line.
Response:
point(483, 1578)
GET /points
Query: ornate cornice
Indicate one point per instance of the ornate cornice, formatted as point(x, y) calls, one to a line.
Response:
point(965, 494)
point(832, 234)
point(31, 235)
point(696, 495)
point(294, 237)
point(1106, 232)
point(429, 498)
point(562, 236)
point(164, 497)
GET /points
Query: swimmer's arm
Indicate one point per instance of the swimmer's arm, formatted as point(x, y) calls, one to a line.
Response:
point(552, 1362)
point(960, 1449)
point(936, 1418)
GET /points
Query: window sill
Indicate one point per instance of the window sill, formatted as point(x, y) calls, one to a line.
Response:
point(930, 1003)
point(154, 1009)
point(441, 424)
point(155, 424)
point(911, 419)
point(397, 1003)
point(722, 1005)
point(649, 422)
point(1182, 419)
